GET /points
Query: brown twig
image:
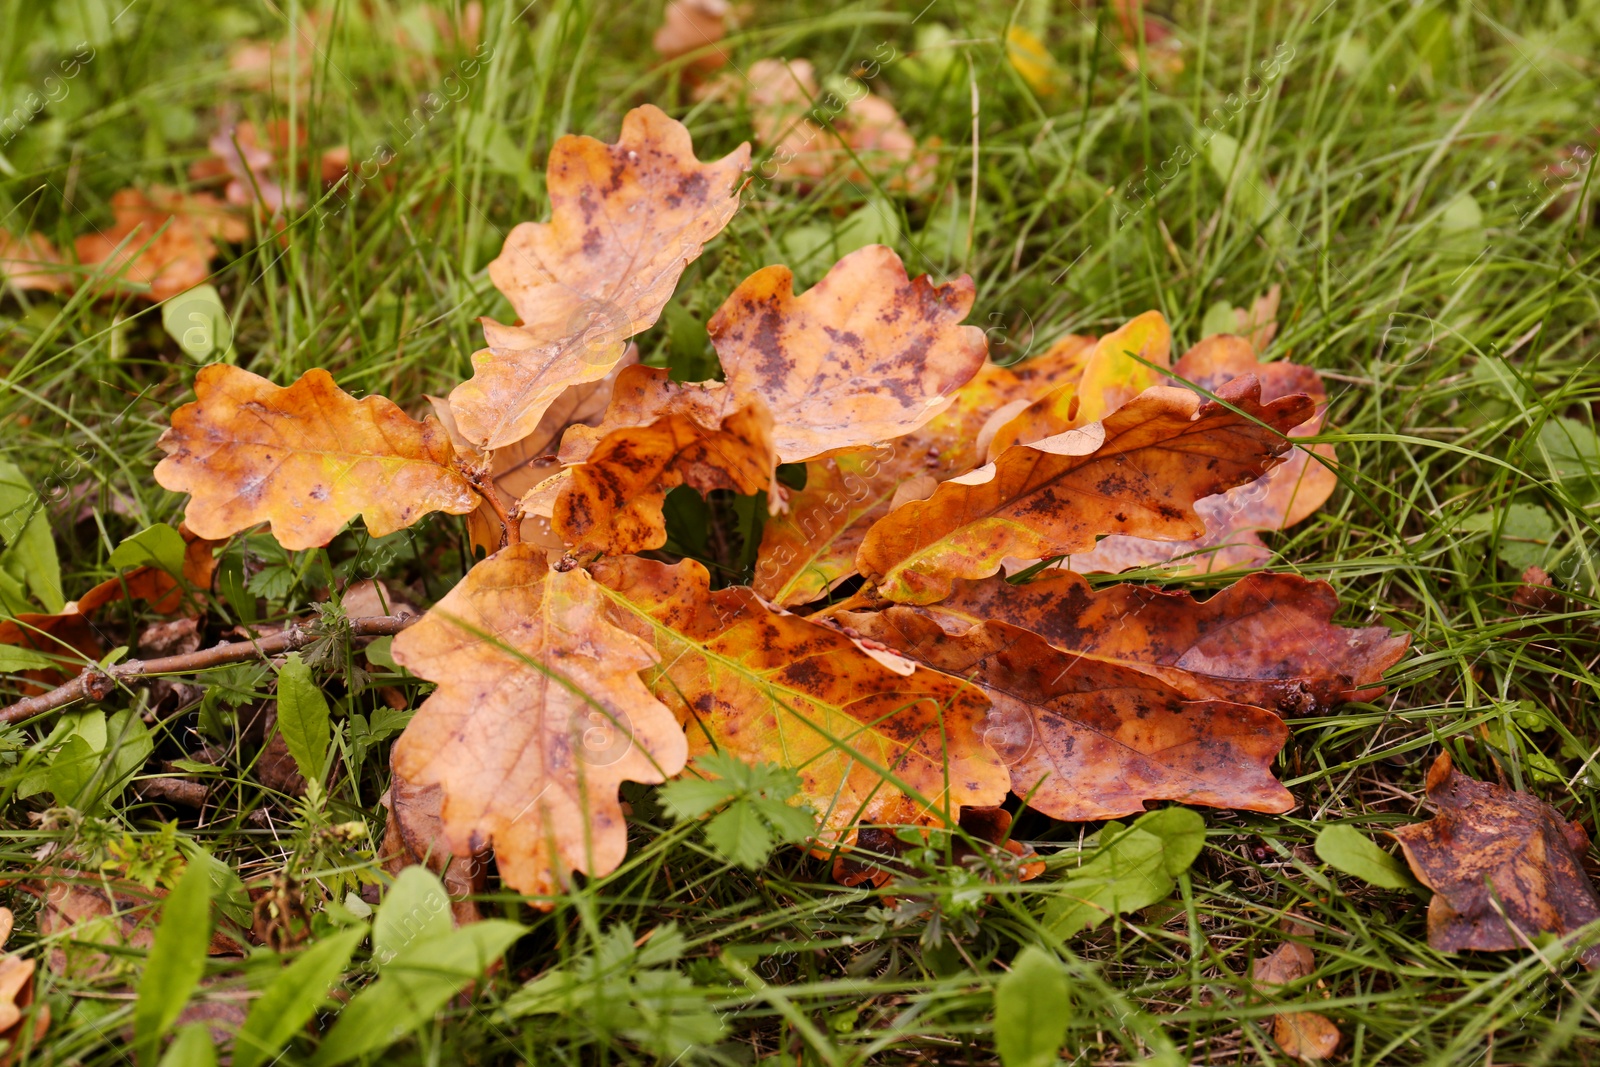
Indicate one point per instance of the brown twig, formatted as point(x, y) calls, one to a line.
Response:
point(510, 528)
point(97, 684)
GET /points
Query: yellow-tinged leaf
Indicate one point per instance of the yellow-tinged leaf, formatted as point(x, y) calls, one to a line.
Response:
point(306, 458)
point(871, 742)
point(1110, 378)
point(867, 354)
point(1031, 59)
point(625, 221)
point(1138, 472)
point(539, 716)
point(657, 434)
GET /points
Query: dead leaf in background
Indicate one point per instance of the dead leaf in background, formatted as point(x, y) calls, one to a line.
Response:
point(1163, 58)
point(866, 354)
point(161, 238)
point(1109, 379)
point(1086, 738)
point(1288, 494)
point(625, 221)
point(766, 685)
point(1138, 472)
point(657, 434)
point(1030, 58)
point(539, 716)
point(414, 835)
point(788, 112)
point(32, 262)
point(154, 585)
point(1267, 639)
point(306, 458)
point(1304, 1035)
point(249, 160)
point(1503, 865)
point(690, 25)
point(16, 997)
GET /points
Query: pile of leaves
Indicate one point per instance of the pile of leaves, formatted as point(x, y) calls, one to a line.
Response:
point(573, 658)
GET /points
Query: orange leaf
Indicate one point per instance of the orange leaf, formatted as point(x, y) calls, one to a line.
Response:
point(1267, 640)
point(306, 458)
point(657, 434)
point(690, 25)
point(162, 239)
point(865, 355)
point(1086, 738)
point(1503, 865)
point(1289, 493)
point(625, 221)
point(873, 738)
point(1304, 1035)
point(1137, 472)
point(26, 262)
point(539, 716)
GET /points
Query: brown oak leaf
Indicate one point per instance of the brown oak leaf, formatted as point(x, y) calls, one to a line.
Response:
point(657, 434)
point(32, 262)
point(306, 458)
point(1267, 639)
point(625, 221)
point(1504, 866)
point(865, 355)
point(1288, 494)
point(873, 738)
point(414, 835)
point(16, 997)
point(1304, 1035)
point(539, 716)
point(1137, 472)
point(1085, 738)
point(162, 241)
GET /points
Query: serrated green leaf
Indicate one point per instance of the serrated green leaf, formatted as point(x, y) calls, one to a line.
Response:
point(739, 835)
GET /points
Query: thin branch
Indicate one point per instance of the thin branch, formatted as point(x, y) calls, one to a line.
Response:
point(96, 684)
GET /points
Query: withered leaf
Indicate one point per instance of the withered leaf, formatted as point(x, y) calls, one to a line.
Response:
point(1504, 866)
point(656, 435)
point(691, 25)
point(1304, 1035)
point(1137, 472)
point(539, 716)
point(414, 834)
point(1085, 738)
point(1267, 639)
point(865, 355)
point(1284, 496)
point(16, 997)
point(306, 458)
point(32, 262)
point(1109, 379)
point(161, 239)
point(625, 220)
point(873, 738)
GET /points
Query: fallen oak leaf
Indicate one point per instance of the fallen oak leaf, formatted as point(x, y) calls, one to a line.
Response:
point(690, 26)
point(1267, 639)
point(414, 835)
point(623, 468)
point(1288, 494)
point(865, 355)
point(1304, 1035)
point(625, 221)
point(538, 718)
point(32, 262)
point(1086, 738)
point(1137, 472)
point(16, 997)
point(1504, 866)
point(161, 242)
point(306, 458)
point(871, 742)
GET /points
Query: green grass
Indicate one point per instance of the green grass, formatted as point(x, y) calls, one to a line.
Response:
point(1452, 334)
